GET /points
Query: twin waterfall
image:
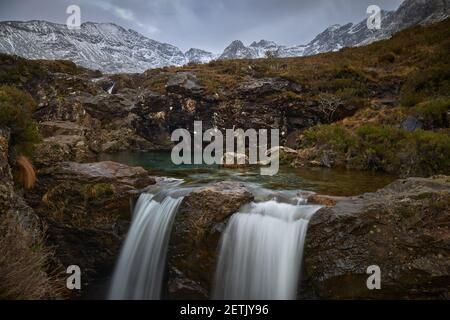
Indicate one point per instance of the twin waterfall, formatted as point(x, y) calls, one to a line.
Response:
point(140, 270)
point(260, 251)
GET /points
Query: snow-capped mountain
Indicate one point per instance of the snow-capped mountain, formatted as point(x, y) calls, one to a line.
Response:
point(113, 49)
point(295, 51)
point(410, 13)
point(103, 46)
point(260, 49)
point(336, 37)
point(237, 50)
point(194, 55)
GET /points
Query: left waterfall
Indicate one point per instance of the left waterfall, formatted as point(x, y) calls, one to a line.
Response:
point(140, 269)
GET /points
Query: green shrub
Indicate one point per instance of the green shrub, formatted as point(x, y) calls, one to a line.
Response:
point(346, 71)
point(433, 113)
point(432, 151)
point(423, 84)
point(376, 147)
point(387, 58)
point(16, 108)
point(330, 136)
point(394, 150)
point(384, 148)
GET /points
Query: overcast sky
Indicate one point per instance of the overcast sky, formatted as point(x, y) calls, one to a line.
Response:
point(205, 24)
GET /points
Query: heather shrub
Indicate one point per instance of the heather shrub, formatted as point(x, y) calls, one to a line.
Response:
point(330, 136)
point(433, 113)
point(384, 148)
point(16, 108)
point(423, 84)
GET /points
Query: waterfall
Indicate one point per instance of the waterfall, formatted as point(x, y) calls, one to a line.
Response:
point(111, 88)
point(140, 270)
point(261, 251)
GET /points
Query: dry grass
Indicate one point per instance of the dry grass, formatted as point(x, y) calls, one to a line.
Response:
point(23, 263)
point(27, 172)
point(385, 62)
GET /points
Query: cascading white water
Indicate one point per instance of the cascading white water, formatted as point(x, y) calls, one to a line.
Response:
point(111, 88)
point(261, 251)
point(140, 269)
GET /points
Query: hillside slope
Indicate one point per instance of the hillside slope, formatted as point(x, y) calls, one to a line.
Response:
point(400, 86)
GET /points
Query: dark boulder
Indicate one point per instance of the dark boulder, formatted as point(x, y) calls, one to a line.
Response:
point(184, 83)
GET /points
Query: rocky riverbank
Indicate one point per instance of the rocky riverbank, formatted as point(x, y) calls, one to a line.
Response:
point(77, 214)
point(403, 229)
point(368, 108)
point(88, 209)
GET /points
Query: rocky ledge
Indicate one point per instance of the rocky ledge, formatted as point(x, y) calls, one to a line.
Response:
point(404, 229)
point(88, 210)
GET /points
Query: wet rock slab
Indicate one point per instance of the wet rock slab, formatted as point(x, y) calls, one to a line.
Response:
point(404, 229)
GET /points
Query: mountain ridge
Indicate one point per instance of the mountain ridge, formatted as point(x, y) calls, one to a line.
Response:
point(112, 48)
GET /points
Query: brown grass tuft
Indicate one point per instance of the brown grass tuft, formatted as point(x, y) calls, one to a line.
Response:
point(27, 172)
point(23, 262)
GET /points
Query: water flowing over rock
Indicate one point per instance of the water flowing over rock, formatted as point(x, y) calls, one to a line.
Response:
point(261, 251)
point(140, 270)
point(193, 246)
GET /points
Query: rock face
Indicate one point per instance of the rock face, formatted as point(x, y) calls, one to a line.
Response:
point(201, 219)
point(11, 201)
point(58, 148)
point(87, 208)
point(403, 229)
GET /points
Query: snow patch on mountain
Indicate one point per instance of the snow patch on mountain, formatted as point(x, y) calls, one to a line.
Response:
point(114, 49)
point(336, 37)
point(194, 55)
point(103, 46)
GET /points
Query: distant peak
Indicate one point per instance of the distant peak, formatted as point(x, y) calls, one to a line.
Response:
point(237, 42)
point(263, 44)
point(334, 27)
point(196, 50)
